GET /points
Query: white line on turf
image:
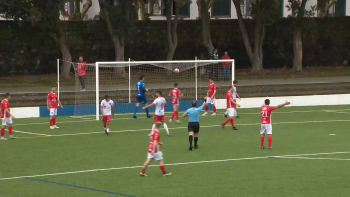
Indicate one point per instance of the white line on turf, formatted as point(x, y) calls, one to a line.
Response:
point(173, 164)
point(252, 124)
point(337, 159)
point(30, 133)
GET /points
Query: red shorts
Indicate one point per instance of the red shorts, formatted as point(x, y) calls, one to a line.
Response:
point(234, 105)
point(106, 118)
point(175, 101)
point(159, 119)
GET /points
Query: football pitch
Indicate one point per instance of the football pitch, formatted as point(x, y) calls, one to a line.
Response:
point(311, 157)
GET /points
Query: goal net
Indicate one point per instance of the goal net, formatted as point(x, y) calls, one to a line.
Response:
point(118, 81)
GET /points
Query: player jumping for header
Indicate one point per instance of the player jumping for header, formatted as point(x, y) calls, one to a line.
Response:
point(160, 103)
point(266, 126)
point(175, 95)
point(107, 109)
point(52, 100)
point(211, 96)
point(141, 96)
point(6, 117)
point(154, 152)
point(230, 103)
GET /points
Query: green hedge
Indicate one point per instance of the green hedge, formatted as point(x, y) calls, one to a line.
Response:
point(326, 42)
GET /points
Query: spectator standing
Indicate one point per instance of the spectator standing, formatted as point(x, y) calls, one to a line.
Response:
point(226, 66)
point(215, 65)
point(81, 70)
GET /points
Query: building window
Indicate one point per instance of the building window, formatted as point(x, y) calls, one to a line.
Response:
point(280, 7)
point(184, 11)
point(246, 8)
point(157, 9)
point(340, 8)
point(221, 8)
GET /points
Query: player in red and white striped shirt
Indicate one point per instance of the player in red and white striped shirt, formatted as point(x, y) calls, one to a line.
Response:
point(52, 99)
point(230, 108)
point(154, 151)
point(266, 126)
point(175, 95)
point(6, 117)
point(211, 96)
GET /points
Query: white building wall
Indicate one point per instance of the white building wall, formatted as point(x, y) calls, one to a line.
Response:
point(347, 10)
point(93, 11)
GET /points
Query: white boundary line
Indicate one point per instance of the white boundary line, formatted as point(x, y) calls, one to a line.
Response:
point(251, 124)
point(336, 159)
point(30, 133)
point(174, 164)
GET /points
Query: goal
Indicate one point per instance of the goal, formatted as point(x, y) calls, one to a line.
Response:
point(118, 81)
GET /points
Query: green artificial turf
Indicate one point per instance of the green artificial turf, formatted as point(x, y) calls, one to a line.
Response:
point(227, 163)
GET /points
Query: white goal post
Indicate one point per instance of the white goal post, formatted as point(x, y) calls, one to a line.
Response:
point(189, 68)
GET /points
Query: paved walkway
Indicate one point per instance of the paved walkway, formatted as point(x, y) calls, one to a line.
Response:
point(38, 88)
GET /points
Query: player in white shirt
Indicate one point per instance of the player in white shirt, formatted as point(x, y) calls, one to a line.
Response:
point(234, 97)
point(107, 109)
point(160, 104)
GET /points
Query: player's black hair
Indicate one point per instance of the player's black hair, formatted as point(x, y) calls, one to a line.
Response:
point(176, 84)
point(159, 92)
point(53, 86)
point(194, 104)
point(7, 95)
point(235, 81)
point(106, 96)
point(210, 78)
point(230, 87)
point(141, 77)
point(267, 102)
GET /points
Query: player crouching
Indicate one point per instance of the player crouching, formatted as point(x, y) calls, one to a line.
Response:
point(154, 152)
point(107, 109)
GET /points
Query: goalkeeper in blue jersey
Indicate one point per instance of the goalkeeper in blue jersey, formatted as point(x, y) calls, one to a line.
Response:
point(141, 96)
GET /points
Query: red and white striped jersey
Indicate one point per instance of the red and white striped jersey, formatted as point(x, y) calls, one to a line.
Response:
point(153, 136)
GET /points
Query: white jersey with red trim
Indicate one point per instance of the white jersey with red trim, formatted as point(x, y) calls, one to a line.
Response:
point(160, 104)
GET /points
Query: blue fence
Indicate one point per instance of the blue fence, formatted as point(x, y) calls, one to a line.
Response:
point(68, 110)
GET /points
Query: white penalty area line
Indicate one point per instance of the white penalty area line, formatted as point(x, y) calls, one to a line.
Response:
point(207, 126)
point(174, 164)
point(16, 131)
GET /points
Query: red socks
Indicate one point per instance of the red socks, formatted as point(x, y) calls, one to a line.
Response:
point(172, 115)
point(143, 171)
point(262, 138)
point(162, 169)
point(51, 120)
point(270, 140)
point(233, 124)
point(2, 132)
point(206, 108)
point(214, 108)
point(176, 115)
point(54, 121)
point(10, 130)
point(227, 120)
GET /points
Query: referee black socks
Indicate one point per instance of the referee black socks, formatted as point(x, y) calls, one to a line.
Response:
point(190, 138)
point(195, 141)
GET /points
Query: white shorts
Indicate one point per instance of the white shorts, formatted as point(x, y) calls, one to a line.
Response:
point(211, 100)
point(266, 128)
point(53, 111)
point(6, 121)
point(156, 156)
point(230, 112)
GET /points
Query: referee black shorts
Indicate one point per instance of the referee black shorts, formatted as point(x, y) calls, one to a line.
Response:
point(193, 126)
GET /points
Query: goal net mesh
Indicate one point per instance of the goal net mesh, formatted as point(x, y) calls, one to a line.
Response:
point(114, 81)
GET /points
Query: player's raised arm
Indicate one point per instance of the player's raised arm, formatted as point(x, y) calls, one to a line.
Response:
point(282, 105)
point(204, 103)
point(148, 106)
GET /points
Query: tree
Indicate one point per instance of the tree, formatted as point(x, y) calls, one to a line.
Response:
point(263, 12)
point(298, 12)
point(120, 20)
point(324, 5)
point(172, 25)
point(141, 4)
point(204, 15)
point(43, 15)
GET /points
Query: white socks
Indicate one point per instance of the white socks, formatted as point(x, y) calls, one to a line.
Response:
point(166, 128)
point(164, 125)
point(107, 130)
